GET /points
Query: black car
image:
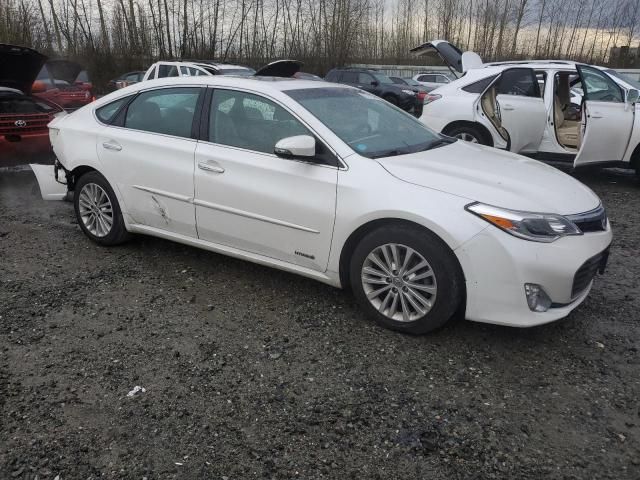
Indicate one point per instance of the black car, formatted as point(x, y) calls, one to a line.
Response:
point(125, 80)
point(421, 92)
point(377, 83)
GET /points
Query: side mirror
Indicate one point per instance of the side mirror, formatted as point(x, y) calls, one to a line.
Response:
point(633, 95)
point(300, 146)
point(38, 87)
point(375, 83)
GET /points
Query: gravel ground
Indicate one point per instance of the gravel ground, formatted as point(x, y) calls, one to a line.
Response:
point(253, 373)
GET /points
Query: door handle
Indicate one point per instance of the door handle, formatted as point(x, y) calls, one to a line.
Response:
point(596, 115)
point(210, 167)
point(111, 146)
point(508, 107)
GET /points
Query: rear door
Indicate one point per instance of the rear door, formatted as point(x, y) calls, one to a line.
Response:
point(521, 108)
point(150, 156)
point(607, 120)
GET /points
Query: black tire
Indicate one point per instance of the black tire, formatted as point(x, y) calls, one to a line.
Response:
point(391, 99)
point(444, 265)
point(117, 233)
point(469, 130)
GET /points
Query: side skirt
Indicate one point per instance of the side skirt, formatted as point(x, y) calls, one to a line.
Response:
point(236, 253)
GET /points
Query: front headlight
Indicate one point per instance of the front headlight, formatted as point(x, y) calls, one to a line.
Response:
point(408, 92)
point(538, 227)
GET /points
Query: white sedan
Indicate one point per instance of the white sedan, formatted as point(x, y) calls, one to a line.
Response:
point(332, 183)
point(549, 109)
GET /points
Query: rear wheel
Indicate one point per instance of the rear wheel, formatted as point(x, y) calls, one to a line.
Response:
point(406, 279)
point(391, 99)
point(97, 210)
point(468, 134)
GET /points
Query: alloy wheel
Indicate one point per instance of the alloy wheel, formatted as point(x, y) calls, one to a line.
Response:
point(399, 282)
point(96, 210)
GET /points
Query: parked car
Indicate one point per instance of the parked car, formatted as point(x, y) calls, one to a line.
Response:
point(194, 69)
point(23, 118)
point(420, 91)
point(377, 83)
point(125, 80)
point(431, 81)
point(65, 83)
point(528, 107)
point(332, 183)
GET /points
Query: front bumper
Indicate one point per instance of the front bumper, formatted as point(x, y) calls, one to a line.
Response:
point(496, 266)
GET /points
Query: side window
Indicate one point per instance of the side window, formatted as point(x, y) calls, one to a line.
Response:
point(332, 76)
point(132, 77)
point(365, 79)
point(167, 71)
point(441, 79)
point(108, 112)
point(427, 78)
point(599, 87)
point(520, 82)
point(479, 86)
point(169, 111)
point(350, 77)
point(249, 121)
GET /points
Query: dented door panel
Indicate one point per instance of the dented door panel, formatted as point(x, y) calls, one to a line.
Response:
point(154, 174)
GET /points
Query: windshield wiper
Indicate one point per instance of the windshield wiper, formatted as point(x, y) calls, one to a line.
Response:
point(391, 153)
point(439, 142)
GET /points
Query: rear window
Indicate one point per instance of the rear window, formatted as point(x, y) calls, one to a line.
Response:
point(17, 105)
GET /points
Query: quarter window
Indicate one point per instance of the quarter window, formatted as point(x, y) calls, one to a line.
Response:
point(248, 121)
point(169, 111)
point(479, 86)
point(107, 113)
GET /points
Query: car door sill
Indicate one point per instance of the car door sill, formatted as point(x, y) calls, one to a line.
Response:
point(236, 253)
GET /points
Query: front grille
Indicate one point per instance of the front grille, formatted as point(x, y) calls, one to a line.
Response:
point(587, 271)
point(27, 123)
point(592, 221)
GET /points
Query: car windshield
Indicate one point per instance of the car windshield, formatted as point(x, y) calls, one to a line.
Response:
point(624, 77)
point(382, 78)
point(369, 125)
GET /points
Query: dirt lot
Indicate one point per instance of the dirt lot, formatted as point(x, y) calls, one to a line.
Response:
point(254, 373)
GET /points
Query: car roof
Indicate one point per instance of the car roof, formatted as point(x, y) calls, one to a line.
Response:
point(259, 84)
point(203, 63)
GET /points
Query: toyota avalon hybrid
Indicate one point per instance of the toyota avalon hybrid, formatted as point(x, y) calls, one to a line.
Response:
point(335, 184)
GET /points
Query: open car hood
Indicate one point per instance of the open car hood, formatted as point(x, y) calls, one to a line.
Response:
point(280, 68)
point(64, 70)
point(19, 67)
point(454, 57)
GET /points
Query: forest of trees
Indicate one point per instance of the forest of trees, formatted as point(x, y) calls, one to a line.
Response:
point(112, 36)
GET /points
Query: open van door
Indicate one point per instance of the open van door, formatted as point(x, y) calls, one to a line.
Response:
point(607, 119)
point(457, 60)
point(513, 105)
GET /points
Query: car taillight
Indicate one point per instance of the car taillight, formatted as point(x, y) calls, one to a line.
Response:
point(422, 95)
point(431, 97)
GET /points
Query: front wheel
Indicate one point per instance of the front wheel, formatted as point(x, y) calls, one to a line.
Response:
point(406, 279)
point(97, 210)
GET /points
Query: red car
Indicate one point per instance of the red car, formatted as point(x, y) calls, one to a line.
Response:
point(65, 83)
point(24, 136)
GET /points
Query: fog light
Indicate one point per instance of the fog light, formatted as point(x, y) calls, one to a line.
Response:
point(537, 298)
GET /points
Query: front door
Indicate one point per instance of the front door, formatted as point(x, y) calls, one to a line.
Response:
point(607, 120)
point(248, 198)
point(150, 158)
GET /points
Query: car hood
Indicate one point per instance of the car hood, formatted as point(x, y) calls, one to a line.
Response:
point(494, 177)
point(19, 67)
point(64, 70)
